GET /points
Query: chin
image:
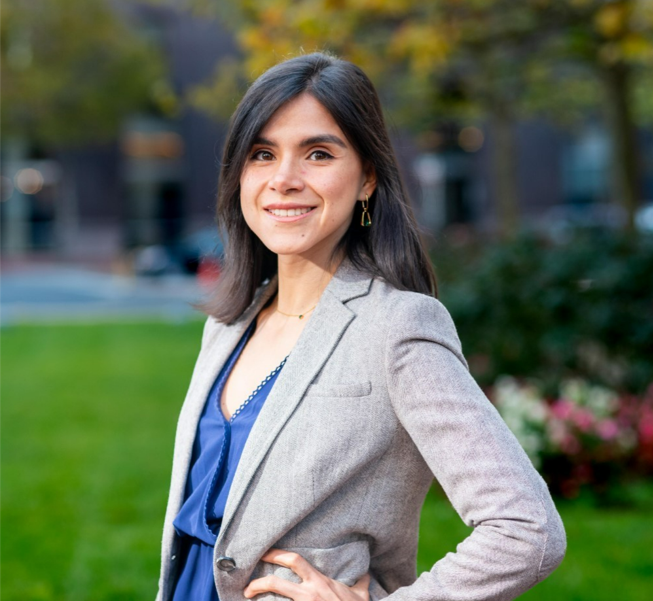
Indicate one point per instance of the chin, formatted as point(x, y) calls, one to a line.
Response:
point(286, 248)
point(306, 250)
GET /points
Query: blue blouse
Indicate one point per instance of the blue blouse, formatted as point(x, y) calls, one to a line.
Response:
point(218, 446)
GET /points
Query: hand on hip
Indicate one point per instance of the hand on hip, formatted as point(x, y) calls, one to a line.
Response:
point(315, 586)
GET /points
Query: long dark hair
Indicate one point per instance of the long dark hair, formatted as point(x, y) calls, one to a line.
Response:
point(390, 248)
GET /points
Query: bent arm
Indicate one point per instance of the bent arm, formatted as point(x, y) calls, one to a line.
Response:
point(518, 536)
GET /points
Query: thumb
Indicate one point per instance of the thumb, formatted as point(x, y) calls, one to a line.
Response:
point(362, 586)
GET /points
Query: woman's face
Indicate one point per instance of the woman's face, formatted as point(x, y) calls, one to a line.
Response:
point(301, 182)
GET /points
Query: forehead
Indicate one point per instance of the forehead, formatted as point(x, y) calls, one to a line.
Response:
point(303, 116)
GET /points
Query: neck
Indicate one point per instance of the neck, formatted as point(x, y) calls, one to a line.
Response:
point(301, 283)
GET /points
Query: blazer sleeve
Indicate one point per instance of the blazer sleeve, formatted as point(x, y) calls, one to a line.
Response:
point(518, 538)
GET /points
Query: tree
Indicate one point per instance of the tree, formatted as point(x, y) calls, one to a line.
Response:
point(72, 70)
point(498, 60)
point(613, 39)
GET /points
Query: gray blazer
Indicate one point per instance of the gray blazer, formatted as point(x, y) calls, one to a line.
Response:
point(374, 401)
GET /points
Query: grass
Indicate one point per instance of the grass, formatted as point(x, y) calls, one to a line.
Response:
point(88, 421)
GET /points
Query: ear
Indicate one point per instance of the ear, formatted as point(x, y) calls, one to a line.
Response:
point(369, 181)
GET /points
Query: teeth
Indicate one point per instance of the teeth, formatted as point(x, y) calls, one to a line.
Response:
point(289, 212)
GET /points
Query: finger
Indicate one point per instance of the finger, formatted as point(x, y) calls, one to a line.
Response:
point(362, 586)
point(293, 561)
point(360, 589)
point(274, 584)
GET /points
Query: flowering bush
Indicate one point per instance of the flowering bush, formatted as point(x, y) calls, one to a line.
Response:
point(587, 434)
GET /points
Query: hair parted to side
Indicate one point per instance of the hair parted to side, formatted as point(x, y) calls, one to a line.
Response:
point(391, 248)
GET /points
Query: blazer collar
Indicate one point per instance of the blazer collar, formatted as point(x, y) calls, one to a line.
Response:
point(349, 282)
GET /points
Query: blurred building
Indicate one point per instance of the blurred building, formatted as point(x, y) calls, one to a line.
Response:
point(563, 178)
point(155, 184)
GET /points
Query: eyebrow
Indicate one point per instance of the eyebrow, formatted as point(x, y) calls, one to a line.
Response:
point(319, 139)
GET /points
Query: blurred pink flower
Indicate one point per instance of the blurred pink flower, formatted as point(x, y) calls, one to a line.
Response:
point(583, 419)
point(589, 432)
point(646, 427)
point(562, 409)
point(607, 429)
point(557, 431)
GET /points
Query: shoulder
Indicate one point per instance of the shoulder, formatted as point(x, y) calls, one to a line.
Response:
point(404, 307)
point(211, 327)
point(411, 317)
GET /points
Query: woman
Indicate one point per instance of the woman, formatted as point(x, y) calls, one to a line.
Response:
point(331, 387)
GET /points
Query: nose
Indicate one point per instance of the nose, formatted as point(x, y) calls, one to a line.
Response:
point(286, 178)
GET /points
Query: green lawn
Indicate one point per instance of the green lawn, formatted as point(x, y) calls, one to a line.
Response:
point(88, 420)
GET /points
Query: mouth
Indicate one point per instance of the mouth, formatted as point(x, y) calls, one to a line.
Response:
point(293, 214)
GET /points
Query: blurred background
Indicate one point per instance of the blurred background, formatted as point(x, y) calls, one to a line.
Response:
point(524, 131)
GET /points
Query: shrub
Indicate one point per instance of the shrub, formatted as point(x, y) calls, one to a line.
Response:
point(583, 435)
point(533, 308)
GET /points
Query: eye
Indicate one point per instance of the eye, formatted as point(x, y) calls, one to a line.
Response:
point(262, 155)
point(319, 155)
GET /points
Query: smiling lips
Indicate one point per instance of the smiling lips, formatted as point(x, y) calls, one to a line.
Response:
point(291, 214)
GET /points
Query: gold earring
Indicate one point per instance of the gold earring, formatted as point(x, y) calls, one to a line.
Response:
point(366, 219)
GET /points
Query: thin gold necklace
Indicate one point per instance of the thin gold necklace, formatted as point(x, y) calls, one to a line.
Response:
point(301, 315)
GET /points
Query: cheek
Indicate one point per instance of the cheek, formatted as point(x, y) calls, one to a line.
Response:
point(247, 208)
point(340, 194)
point(342, 187)
point(245, 187)
point(248, 194)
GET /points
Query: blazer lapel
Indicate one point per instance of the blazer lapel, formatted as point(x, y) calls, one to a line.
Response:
point(211, 361)
point(321, 335)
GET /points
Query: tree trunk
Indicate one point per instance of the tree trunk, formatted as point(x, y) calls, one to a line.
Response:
point(505, 172)
point(625, 168)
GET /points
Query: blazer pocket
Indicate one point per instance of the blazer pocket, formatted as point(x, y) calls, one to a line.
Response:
point(357, 389)
point(345, 563)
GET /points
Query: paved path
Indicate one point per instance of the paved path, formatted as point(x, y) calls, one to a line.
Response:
point(59, 293)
